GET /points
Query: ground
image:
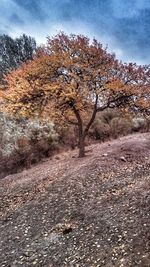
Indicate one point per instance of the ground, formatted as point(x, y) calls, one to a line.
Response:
point(90, 212)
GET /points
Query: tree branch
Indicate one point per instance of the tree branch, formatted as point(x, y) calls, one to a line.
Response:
point(77, 114)
point(69, 121)
point(92, 118)
point(117, 101)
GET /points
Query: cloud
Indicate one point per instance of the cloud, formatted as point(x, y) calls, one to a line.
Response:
point(128, 9)
point(122, 25)
point(14, 18)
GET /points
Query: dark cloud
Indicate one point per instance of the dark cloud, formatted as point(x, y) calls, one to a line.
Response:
point(15, 19)
point(33, 7)
point(123, 24)
point(133, 35)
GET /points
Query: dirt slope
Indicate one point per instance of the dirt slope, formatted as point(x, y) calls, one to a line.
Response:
point(76, 212)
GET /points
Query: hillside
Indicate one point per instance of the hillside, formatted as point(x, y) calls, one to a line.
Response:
point(90, 212)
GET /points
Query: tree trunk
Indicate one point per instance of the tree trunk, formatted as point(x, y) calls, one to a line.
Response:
point(81, 146)
point(81, 133)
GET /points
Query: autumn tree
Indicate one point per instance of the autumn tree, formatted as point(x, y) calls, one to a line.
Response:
point(74, 78)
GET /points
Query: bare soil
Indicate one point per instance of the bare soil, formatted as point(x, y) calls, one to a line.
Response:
point(90, 212)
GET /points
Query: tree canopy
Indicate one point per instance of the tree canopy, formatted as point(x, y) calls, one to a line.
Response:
point(13, 52)
point(74, 78)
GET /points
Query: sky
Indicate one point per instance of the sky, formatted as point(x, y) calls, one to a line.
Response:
point(122, 25)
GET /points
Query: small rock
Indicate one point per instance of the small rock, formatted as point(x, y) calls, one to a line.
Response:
point(123, 159)
point(34, 262)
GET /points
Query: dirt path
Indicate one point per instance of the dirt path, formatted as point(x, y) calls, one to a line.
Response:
point(87, 212)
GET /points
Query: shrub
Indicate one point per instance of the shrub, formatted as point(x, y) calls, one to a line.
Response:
point(120, 126)
point(67, 135)
point(110, 124)
point(24, 142)
point(107, 115)
point(100, 130)
point(139, 124)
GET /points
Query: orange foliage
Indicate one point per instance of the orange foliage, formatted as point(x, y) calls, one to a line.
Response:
point(71, 77)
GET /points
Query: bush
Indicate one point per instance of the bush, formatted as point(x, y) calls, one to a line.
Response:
point(107, 115)
point(120, 127)
point(140, 124)
point(100, 130)
point(110, 124)
point(68, 135)
point(24, 142)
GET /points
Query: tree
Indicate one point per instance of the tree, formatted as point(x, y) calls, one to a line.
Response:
point(13, 52)
point(75, 79)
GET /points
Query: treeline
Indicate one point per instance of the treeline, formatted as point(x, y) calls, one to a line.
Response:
point(13, 52)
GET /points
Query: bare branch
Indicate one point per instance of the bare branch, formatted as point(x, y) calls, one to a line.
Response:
point(118, 101)
point(92, 118)
point(77, 114)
